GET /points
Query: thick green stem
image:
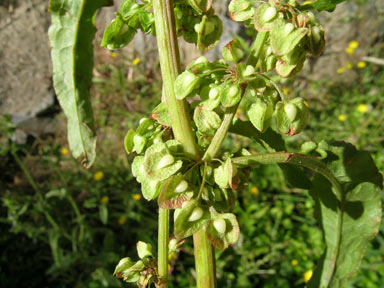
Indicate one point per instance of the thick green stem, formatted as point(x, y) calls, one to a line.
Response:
point(170, 68)
point(204, 260)
point(178, 111)
point(163, 237)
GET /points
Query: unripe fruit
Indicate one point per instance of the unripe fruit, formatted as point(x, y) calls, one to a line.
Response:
point(196, 214)
point(233, 91)
point(201, 59)
point(165, 161)
point(291, 111)
point(311, 16)
point(288, 28)
point(220, 225)
point(197, 28)
point(316, 34)
point(182, 187)
point(269, 14)
point(213, 93)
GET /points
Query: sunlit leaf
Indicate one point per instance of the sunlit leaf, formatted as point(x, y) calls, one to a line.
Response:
point(71, 35)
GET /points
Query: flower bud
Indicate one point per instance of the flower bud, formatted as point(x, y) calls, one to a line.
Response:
point(181, 187)
point(196, 214)
point(165, 161)
point(220, 225)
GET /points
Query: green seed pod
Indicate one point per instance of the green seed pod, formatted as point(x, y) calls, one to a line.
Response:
point(165, 161)
point(185, 84)
point(231, 94)
point(196, 214)
point(292, 116)
point(181, 187)
point(316, 40)
point(240, 10)
point(260, 113)
point(233, 51)
point(269, 14)
point(220, 225)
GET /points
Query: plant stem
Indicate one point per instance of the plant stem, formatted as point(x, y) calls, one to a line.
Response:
point(170, 68)
point(295, 159)
point(204, 260)
point(163, 237)
point(36, 189)
point(220, 134)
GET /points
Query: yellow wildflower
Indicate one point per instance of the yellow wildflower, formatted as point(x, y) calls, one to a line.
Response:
point(113, 54)
point(64, 151)
point(286, 91)
point(136, 197)
point(349, 50)
point(122, 219)
point(340, 70)
point(362, 108)
point(104, 200)
point(238, 111)
point(349, 65)
point(308, 275)
point(98, 175)
point(342, 117)
point(294, 262)
point(254, 190)
point(136, 61)
point(307, 2)
point(361, 64)
point(353, 44)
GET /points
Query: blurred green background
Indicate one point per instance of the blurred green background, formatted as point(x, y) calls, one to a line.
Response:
point(64, 226)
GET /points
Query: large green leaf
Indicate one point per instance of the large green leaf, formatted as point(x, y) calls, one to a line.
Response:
point(321, 5)
point(71, 35)
point(350, 223)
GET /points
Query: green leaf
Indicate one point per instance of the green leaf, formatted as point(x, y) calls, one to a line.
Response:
point(348, 225)
point(321, 5)
point(118, 34)
point(285, 37)
point(71, 35)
